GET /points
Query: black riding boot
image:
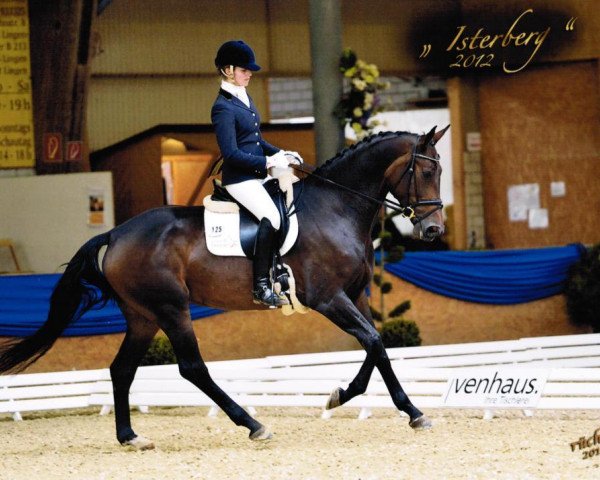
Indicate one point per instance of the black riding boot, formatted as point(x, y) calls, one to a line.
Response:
point(263, 254)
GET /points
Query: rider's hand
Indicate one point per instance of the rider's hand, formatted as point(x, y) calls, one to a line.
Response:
point(278, 160)
point(294, 157)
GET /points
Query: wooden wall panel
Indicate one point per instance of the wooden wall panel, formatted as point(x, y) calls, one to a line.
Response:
point(289, 37)
point(388, 33)
point(301, 141)
point(380, 31)
point(137, 177)
point(122, 107)
point(181, 36)
point(187, 170)
point(537, 127)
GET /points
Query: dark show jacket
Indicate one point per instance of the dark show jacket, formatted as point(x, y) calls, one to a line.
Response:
point(238, 134)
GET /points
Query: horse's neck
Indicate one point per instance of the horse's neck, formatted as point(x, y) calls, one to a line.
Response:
point(364, 171)
point(359, 195)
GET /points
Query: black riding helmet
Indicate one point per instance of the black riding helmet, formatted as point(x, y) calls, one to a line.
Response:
point(236, 53)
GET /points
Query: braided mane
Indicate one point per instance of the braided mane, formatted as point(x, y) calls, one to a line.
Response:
point(358, 147)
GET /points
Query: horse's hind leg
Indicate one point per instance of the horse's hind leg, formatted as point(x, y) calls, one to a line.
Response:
point(356, 320)
point(140, 332)
point(178, 327)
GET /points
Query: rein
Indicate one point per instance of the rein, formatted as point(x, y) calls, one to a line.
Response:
point(405, 211)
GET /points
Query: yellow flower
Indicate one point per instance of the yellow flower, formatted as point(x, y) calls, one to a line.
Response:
point(368, 78)
point(356, 127)
point(357, 112)
point(350, 72)
point(359, 84)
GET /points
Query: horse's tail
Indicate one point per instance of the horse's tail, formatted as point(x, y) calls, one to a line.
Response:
point(73, 295)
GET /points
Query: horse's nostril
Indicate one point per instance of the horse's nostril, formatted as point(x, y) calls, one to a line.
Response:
point(433, 231)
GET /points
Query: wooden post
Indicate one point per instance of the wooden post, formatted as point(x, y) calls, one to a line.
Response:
point(60, 40)
point(326, 49)
point(464, 117)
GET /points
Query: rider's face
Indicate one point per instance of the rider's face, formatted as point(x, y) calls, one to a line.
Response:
point(241, 76)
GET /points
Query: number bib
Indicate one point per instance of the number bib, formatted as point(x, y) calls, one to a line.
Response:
point(223, 233)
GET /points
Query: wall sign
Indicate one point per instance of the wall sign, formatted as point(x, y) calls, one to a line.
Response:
point(74, 151)
point(95, 207)
point(16, 108)
point(53, 147)
point(473, 142)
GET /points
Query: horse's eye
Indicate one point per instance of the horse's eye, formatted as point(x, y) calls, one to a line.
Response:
point(427, 174)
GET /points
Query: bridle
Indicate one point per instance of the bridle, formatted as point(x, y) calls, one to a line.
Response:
point(408, 211)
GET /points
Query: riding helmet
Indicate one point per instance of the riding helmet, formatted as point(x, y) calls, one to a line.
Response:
point(236, 53)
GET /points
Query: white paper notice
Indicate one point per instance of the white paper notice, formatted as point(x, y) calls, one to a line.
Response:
point(522, 198)
point(558, 189)
point(538, 218)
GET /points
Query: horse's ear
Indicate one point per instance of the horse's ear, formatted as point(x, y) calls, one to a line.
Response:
point(439, 134)
point(428, 137)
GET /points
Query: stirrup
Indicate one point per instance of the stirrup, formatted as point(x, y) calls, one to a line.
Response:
point(264, 295)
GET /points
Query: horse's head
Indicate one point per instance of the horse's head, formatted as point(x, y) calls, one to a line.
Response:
point(414, 179)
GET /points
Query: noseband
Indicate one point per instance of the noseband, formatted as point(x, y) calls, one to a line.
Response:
point(408, 211)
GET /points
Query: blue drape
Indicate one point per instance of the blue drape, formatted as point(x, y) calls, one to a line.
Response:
point(25, 300)
point(496, 276)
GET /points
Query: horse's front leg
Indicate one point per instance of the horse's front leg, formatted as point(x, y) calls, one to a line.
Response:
point(418, 420)
point(356, 320)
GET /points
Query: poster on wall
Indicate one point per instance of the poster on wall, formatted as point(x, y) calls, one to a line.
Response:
point(538, 218)
point(521, 199)
point(16, 107)
point(96, 207)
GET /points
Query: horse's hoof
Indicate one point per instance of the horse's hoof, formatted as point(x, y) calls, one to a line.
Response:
point(261, 434)
point(139, 443)
point(421, 423)
point(334, 399)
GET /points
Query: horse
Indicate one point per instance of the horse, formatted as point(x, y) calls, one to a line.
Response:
point(156, 263)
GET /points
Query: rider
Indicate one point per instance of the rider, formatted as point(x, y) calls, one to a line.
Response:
point(247, 157)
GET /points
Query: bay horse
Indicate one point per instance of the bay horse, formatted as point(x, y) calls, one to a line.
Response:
point(157, 262)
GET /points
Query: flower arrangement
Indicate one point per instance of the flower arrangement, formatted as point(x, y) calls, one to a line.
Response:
point(361, 101)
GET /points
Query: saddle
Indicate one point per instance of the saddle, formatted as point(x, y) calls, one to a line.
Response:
point(248, 224)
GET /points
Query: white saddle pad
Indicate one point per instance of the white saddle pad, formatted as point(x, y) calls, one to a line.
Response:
point(223, 233)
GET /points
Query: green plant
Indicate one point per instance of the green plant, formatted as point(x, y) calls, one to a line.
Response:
point(400, 332)
point(392, 253)
point(400, 309)
point(160, 352)
point(395, 330)
point(582, 289)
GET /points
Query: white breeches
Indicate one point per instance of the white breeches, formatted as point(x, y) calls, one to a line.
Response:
point(252, 195)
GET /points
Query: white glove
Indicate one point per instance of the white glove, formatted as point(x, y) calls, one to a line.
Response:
point(296, 158)
point(278, 160)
